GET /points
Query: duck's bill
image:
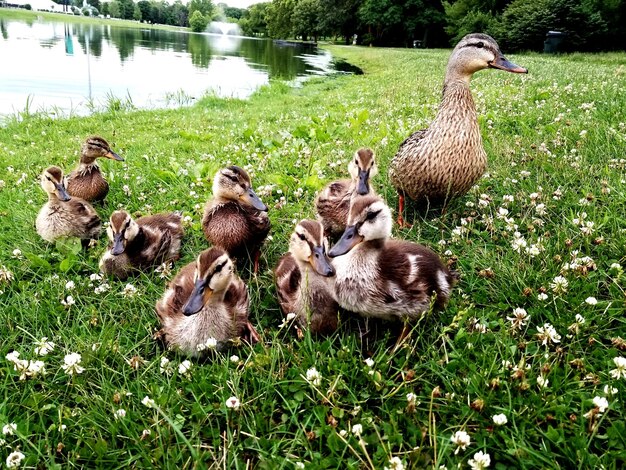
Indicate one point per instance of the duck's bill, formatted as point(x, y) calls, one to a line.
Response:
point(197, 298)
point(363, 187)
point(114, 156)
point(62, 193)
point(251, 198)
point(321, 263)
point(503, 64)
point(348, 240)
point(118, 245)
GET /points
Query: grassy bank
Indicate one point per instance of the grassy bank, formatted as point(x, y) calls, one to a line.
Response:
point(550, 208)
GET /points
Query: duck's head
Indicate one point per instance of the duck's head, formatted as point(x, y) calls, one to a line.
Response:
point(363, 167)
point(52, 183)
point(369, 219)
point(234, 183)
point(214, 271)
point(96, 147)
point(479, 51)
point(121, 230)
point(308, 245)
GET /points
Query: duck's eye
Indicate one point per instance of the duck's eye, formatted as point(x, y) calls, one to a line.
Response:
point(356, 162)
point(231, 177)
point(301, 236)
point(480, 45)
point(48, 178)
point(372, 215)
point(219, 267)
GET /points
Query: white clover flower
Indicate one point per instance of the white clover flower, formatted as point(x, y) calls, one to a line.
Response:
point(519, 318)
point(395, 463)
point(299, 465)
point(461, 439)
point(184, 368)
point(9, 429)
point(290, 316)
point(68, 301)
point(104, 287)
point(165, 269)
point(540, 209)
point(165, 366)
point(14, 460)
point(559, 285)
point(95, 277)
point(343, 433)
point(17, 253)
point(480, 461)
point(211, 343)
point(72, 365)
point(233, 403)
point(542, 381)
point(499, 419)
point(313, 376)
point(411, 398)
point(119, 414)
point(369, 362)
point(542, 296)
point(35, 368)
point(357, 430)
point(148, 402)
point(519, 243)
point(601, 403)
point(70, 285)
point(43, 346)
point(129, 291)
point(234, 358)
point(591, 301)
point(620, 370)
point(145, 433)
point(547, 334)
point(608, 390)
point(6, 276)
point(616, 268)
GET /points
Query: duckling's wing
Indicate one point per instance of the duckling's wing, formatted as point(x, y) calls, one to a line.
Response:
point(86, 219)
point(288, 277)
point(176, 294)
point(333, 205)
point(238, 302)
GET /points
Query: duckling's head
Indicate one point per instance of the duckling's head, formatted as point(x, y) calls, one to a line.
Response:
point(213, 274)
point(308, 245)
point(363, 167)
point(369, 219)
point(52, 183)
point(476, 52)
point(96, 147)
point(234, 183)
point(121, 230)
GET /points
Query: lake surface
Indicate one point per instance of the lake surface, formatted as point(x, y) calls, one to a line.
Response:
point(78, 68)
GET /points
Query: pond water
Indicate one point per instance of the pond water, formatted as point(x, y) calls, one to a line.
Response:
point(77, 68)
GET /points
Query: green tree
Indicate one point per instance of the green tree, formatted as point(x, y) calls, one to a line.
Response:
point(114, 9)
point(306, 19)
point(339, 17)
point(198, 22)
point(380, 17)
point(137, 13)
point(205, 7)
point(179, 14)
point(96, 4)
point(279, 18)
point(254, 21)
point(105, 8)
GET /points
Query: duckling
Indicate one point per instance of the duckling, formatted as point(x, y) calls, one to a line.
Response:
point(62, 215)
point(304, 280)
point(383, 278)
point(447, 158)
point(333, 203)
point(86, 181)
point(236, 219)
point(139, 244)
point(206, 301)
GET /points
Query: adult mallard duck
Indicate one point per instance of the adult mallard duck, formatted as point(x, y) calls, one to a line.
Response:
point(139, 244)
point(383, 278)
point(236, 219)
point(333, 202)
point(446, 159)
point(62, 215)
point(86, 181)
point(205, 306)
point(304, 280)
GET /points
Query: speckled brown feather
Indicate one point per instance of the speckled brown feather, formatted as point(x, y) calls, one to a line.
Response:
point(332, 205)
point(87, 183)
point(73, 218)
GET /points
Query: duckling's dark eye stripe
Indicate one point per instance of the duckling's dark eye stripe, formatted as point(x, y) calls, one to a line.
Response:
point(231, 177)
point(219, 267)
point(301, 236)
point(372, 215)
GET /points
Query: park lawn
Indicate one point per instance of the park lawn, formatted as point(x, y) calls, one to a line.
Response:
point(544, 231)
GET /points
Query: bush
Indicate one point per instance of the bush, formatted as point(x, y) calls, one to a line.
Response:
point(198, 22)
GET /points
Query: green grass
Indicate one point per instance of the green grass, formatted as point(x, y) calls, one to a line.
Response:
point(559, 130)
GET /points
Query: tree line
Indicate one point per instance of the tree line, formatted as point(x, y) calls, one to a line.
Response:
point(590, 25)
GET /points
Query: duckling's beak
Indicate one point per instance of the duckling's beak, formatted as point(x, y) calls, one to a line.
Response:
point(348, 240)
point(501, 63)
point(251, 198)
point(118, 244)
point(320, 262)
point(363, 187)
point(197, 298)
point(114, 156)
point(62, 193)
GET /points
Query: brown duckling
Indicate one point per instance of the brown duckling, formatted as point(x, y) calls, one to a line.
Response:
point(447, 158)
point(139, 244)
point(384, 278)
point(304, 280)
point(236, 219)
point(86, 181)
point(205, 306)
point(333, 202)
point(62, 215)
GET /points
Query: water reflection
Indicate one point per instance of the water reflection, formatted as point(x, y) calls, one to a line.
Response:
point(84, 61)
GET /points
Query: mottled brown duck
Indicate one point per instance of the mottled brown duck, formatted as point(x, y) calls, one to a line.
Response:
point(62, 215)
point(447, 158)
point(205, 306)
point(86, 181)
point(333, 202)
point(236, 219)
point(304, 280)
point(140, 244)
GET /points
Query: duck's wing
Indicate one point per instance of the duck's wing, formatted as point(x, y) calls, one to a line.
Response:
point(176, 294)
point(287, 277)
